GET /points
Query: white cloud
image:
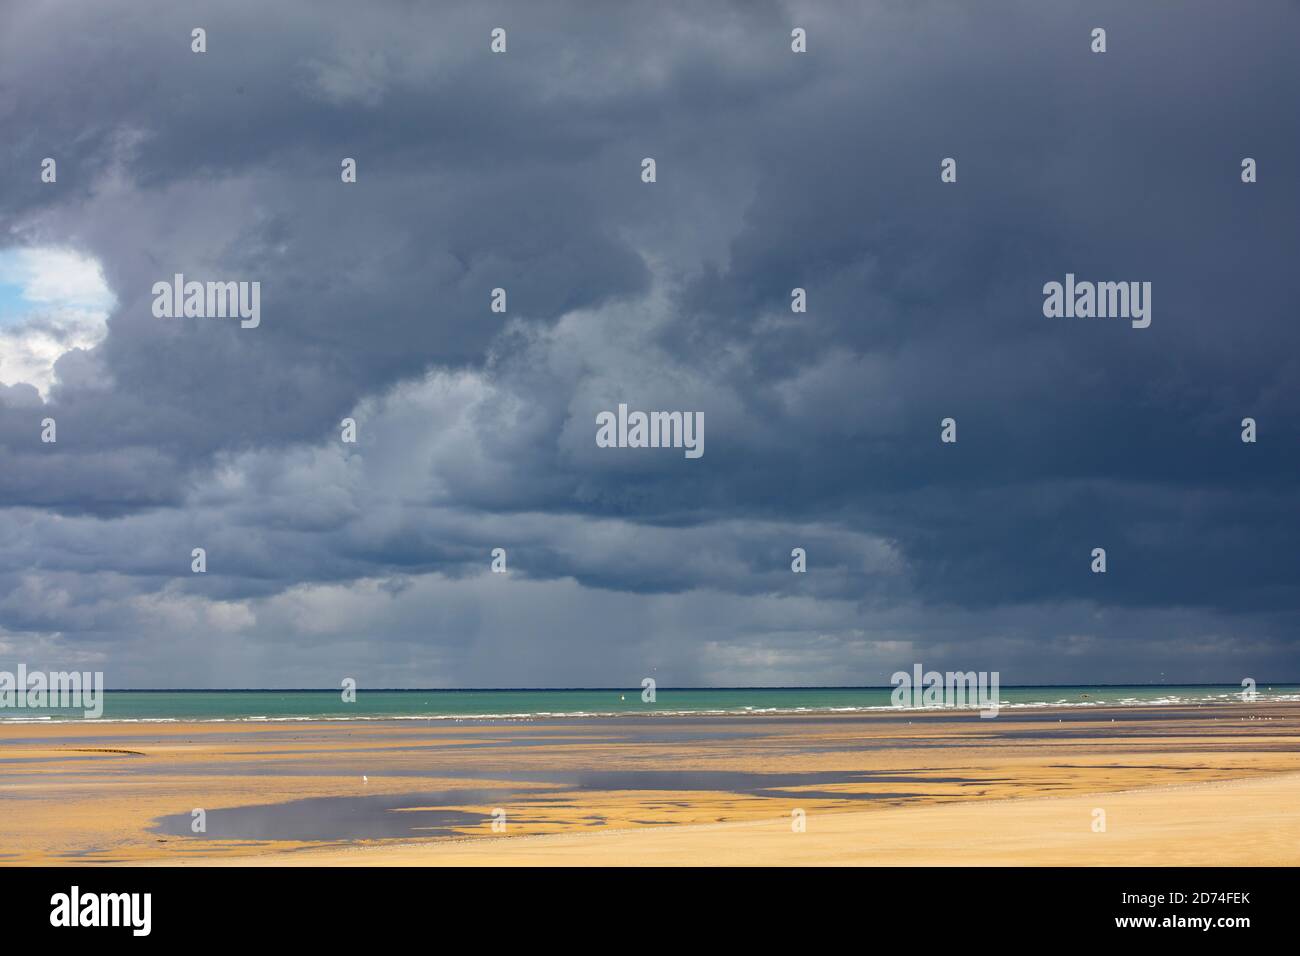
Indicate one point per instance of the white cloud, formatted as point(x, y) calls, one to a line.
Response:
point(52, 301)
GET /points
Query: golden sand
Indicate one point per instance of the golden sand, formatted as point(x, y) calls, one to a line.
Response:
point(1211, 785)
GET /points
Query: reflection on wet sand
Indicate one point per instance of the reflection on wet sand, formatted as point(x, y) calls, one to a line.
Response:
point(71, 792)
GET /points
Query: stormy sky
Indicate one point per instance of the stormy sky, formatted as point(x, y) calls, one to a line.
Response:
point(476, 430)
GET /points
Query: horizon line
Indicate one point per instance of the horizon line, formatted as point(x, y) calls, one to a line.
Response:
point(637, 687)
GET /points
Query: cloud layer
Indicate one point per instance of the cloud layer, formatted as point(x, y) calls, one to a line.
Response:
point(476, 429)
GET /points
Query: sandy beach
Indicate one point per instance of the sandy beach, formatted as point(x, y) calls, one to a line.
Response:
point(1176, 785)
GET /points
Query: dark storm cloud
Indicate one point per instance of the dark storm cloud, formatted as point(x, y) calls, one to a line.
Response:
point(476, 429)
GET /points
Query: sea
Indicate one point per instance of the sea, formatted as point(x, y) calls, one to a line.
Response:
point(536, 704)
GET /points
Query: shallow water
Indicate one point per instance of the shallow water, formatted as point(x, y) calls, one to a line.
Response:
point(441, 813)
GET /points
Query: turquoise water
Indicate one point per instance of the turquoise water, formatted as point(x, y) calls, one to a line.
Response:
point(206, 705)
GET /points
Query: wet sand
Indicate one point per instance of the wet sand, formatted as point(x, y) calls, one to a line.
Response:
point(1214, 784)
